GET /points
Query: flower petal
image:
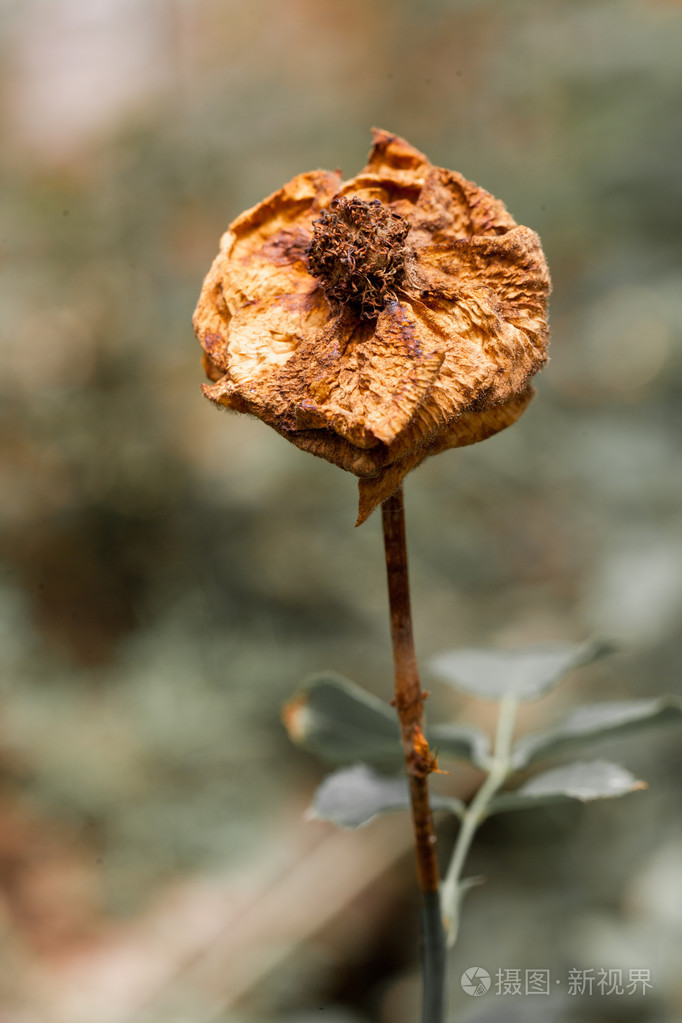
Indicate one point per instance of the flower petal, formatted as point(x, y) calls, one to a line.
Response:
point(467, 429)
point(263, 253)
point(397, 367)
point(486, 297)
point(393, 154)
point(303, 196)
point(395, 174)
point(212, 317)
point(364, 381)
point(398, 192)
point(260, 340)
point(450, 207)
point(264, 336)
point(261, 257)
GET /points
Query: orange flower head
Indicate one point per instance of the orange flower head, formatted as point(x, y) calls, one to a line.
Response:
point(376, 321)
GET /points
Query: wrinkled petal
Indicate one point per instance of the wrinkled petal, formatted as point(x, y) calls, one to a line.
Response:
point(451, 207)
point(488, 298)
point(365, 383)
point(212, 317)
point(398, 368)
point(392, 154)
point(395, 174)
point(467, 429)
point(261, 257)
point(265, 248)
point(263, 337)
point(395, 192)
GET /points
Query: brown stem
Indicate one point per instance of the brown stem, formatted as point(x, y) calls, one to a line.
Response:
point(409, 698)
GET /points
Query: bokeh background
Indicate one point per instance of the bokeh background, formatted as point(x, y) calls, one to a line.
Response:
point(170, 574)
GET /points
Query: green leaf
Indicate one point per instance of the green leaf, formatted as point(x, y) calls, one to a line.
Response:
point(342, 723)
point(462, 742)
point(584, 781)
point(526, 673)
point(597, 721)
point(354, 796)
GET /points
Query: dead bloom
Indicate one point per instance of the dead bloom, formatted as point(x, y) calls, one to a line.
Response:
point(376, 321)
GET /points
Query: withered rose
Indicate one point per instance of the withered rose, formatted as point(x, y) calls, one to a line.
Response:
point(376, 321)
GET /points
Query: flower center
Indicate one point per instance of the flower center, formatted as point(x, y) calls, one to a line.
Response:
point(358, 252)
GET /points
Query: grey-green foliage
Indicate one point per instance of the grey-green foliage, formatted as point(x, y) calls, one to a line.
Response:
point(583, 781)
point(342, 723)
point(526, 673)
point(354, 796)
point(339, 721)
point(597, 721)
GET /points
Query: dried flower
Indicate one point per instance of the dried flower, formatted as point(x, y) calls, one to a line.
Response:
point(376, 321)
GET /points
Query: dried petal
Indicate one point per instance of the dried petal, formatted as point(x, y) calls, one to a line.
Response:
point(377, 321)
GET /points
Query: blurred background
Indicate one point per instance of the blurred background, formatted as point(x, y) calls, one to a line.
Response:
point(170, 574)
